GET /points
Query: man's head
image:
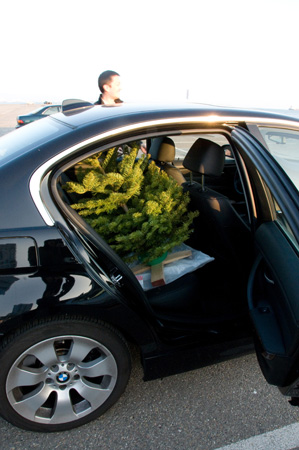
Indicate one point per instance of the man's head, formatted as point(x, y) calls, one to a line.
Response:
point(109, 83)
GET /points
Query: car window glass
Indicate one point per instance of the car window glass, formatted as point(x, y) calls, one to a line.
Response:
point(51, 110)
point(280, 217)
point(184, 142)
point(281, 220)
point(36, 111)
point(26, 138)
point(283, 145)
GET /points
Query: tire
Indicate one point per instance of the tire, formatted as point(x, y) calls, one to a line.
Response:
point(60, 373)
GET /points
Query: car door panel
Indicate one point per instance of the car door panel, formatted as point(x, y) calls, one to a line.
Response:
point(273, 296)
point(273, 288)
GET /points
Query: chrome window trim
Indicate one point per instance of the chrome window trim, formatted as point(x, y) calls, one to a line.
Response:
point(37, 176)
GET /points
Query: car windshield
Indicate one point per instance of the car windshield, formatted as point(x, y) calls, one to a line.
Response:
point(283, 145)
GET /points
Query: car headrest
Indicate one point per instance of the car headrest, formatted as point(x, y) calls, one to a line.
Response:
point(205, 157)
point(166, 152)
point(162, 149)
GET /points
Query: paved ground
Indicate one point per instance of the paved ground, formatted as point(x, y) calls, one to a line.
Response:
point(9, 113)
point(203, 410)
point(206, 409)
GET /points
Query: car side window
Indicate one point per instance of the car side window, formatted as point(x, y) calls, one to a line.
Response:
point(283, 223)
point(51, 110)
point(283, 144)
point(184, 142)
point(279, 217)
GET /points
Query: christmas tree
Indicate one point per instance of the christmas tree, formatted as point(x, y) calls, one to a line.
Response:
point(137, 208)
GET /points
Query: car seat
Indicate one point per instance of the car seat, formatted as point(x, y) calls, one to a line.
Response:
point(219, 230)
point(162, 152)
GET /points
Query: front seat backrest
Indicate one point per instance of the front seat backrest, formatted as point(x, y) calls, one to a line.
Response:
point(165, 156)
point(220, 231)
point(205, 157)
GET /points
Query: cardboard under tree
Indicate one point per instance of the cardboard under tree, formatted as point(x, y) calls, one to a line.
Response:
point(157, 270)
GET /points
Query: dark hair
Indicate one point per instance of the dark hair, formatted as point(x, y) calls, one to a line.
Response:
point(105, 77)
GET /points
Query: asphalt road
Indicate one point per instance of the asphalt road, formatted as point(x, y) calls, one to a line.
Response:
point(203, 409)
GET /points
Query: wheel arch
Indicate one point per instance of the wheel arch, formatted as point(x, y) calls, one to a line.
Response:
point(124, 321)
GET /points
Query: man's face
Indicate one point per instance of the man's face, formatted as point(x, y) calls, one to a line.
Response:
point(113, 87)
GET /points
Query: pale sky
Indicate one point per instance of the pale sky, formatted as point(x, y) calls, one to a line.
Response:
point(224, 52)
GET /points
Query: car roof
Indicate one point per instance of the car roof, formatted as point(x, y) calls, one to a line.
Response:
point(88, 114)
point(65, 129)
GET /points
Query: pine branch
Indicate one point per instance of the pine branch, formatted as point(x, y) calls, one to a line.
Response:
point(132, 204)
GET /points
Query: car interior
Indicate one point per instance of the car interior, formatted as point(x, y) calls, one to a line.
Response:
point(205, 167)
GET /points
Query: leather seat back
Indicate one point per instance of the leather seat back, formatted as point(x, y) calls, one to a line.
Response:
point(163, 153)
point(220, 231)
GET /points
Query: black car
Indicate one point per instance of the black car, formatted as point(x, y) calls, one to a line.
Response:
point(72, 305)
point(37, 114)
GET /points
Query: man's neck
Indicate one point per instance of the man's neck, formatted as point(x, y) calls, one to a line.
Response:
point(107, 100)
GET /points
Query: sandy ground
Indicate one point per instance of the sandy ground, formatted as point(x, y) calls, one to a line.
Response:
point(9, 113)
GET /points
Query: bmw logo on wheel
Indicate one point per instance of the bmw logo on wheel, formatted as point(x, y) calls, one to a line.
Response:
point(62, 377)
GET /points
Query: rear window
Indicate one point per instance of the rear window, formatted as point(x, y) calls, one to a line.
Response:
point(26, 138)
